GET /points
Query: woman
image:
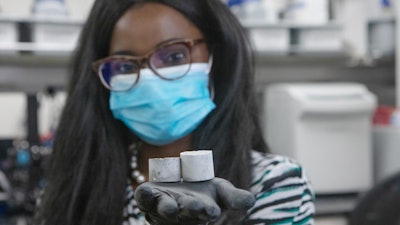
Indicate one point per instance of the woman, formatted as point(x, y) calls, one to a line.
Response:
point(174, 75)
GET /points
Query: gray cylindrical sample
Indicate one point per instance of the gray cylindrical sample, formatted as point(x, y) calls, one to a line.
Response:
point(165, 169)
point(197, 165)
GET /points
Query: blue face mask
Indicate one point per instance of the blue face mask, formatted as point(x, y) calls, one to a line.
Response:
point(162, 111)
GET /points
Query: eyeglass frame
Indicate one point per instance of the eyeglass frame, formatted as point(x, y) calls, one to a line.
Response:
point(140, 60)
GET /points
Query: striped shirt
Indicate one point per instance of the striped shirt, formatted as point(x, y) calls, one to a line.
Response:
point(282, 190)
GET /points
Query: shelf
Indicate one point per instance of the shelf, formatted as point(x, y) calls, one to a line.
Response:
point(278, 40)
point(299, 51)
point(322, 59)
point(46, 45)
point(286, 25)
point(54, 36)
point(335, 205)
point(31, 60)
point(37, 47)
point(388, 19)
point(41, 20)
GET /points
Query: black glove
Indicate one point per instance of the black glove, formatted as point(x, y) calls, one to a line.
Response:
point(190, 203)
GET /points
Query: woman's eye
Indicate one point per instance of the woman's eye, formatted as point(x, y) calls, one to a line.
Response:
point(123, 67)
point(172, 55)
point(175, 58)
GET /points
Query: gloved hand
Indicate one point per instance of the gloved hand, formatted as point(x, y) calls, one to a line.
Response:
point(189, 203)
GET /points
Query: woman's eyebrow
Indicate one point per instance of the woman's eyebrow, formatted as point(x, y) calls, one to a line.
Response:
point(131, 53)
point(124, 52)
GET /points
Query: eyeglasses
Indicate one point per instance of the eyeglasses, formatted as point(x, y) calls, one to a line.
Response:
point(122, 72)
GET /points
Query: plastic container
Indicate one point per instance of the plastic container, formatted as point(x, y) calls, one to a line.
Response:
point(8, 36)
point(325, 39)
point(54, 32)
point(50, 9)
point(382, 37)
point(275, 40)
point(13, 114)
point(307, 12)
point(255, 11)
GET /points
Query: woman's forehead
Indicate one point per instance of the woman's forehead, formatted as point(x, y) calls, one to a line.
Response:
point(144, 26)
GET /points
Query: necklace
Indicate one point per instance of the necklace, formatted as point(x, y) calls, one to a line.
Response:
point(135, 174)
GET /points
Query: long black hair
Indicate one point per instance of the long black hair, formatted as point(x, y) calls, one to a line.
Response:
point(88, 169)
point(379, 205)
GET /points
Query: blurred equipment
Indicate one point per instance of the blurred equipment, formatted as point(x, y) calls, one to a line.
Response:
point(13, 115)
point(5, 193)
point(23, 168)
point(327, 128)
point(28, 124)
point(307, 11)
point(386, 142)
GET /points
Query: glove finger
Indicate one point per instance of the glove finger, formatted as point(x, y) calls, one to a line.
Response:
point(212, 210)
point(167, 206)
point(145, 197)
point(201, 208)
point(190, 208)
point(232, 197)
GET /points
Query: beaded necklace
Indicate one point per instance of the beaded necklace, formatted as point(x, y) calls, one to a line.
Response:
point(135, 174)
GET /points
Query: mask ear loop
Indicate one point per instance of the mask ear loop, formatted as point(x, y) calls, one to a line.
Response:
point(211, 83)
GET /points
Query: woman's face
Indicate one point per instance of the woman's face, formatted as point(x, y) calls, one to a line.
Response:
point(145, 26)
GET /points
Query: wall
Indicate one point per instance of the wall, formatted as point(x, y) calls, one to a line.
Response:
point(18, 8)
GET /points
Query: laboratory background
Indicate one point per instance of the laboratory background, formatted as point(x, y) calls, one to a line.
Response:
point(327, 81)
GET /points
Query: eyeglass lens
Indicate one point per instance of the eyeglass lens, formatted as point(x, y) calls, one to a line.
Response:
point(169, 62)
